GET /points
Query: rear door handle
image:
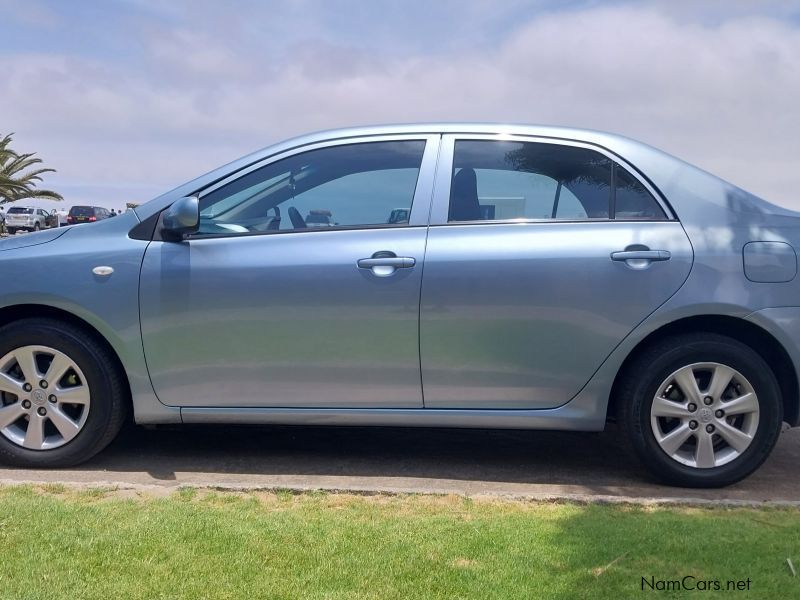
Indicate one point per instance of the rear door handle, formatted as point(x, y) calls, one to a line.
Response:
point(650, 255)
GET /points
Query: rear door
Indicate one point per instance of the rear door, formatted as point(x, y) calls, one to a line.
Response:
point(541, 257)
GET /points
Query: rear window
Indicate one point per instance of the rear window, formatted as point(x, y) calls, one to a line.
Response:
point(81, 211)
point(18, 210)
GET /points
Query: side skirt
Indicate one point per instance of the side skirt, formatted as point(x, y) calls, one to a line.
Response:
point(567, 417)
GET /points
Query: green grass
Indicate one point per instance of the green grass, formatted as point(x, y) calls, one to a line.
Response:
point(58, 543)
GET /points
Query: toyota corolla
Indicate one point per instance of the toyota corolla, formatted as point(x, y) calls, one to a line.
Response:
point(475, 276)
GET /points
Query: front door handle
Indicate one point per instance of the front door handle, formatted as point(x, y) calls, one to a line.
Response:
point(385, 263)
point(651, 255)
point(398, 262)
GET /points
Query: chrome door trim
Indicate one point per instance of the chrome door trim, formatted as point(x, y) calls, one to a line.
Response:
point(441, 201)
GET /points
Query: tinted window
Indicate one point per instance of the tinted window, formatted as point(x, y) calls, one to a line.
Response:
point(633, 201)
point(341, 186)
point(18, 210)
point(524, 180)
point(81, 211)
point(499, 180)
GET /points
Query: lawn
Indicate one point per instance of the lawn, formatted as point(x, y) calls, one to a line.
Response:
point(61, 543)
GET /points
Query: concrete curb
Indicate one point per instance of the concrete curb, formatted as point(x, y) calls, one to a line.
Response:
point(165, 489)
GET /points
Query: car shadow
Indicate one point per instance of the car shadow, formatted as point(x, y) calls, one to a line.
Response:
point(595, 463)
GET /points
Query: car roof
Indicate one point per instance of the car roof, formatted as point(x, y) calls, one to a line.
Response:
point(604, 139)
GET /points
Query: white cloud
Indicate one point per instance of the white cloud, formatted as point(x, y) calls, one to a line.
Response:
point(720, 93)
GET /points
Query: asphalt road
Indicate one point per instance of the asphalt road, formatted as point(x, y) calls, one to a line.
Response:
point(471, 462)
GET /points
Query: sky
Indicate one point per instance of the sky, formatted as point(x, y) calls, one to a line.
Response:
point(129, 98)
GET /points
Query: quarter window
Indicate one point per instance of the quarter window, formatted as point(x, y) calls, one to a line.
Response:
point(632, 200)
point(354, 185)
point(507, 180)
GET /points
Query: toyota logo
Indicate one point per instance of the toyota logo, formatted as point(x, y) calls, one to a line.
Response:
point(38, 397)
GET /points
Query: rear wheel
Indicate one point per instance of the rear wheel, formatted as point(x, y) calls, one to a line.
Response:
point(701, 410)
point(36, 227)
point(62, 399)
point(11, 230)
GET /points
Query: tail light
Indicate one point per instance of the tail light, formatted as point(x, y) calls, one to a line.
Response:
point(92, 219)
point(69, 219)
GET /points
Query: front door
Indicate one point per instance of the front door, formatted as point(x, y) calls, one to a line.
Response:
point(541, 258)
point(301, 288)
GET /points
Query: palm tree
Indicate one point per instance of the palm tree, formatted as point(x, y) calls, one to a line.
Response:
point(15, 182)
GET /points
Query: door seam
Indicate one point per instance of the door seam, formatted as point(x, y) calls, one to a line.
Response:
point(422, 271)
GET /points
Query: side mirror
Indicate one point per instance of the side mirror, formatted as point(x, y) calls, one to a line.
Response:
point(181, 219)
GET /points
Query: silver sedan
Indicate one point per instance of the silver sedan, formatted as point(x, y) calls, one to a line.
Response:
point(420, 275)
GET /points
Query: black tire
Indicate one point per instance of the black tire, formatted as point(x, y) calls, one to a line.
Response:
point(641, 381)
point(36, 227)
point(109, 394)
point(11, 231)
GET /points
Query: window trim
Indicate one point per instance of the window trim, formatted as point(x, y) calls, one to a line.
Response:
point(235, 234)
point(420, 203)
point(441, 202)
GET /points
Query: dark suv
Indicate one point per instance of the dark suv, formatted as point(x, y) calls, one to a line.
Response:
point(87, 214)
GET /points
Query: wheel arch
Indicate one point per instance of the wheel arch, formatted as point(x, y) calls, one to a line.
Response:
point(739, 329)
point(9, 314)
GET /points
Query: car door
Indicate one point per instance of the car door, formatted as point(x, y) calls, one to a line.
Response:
point(50, 219)
point(272, 305)
point(541, 257)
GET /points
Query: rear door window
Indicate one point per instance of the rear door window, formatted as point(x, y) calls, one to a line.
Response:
point(511, 180)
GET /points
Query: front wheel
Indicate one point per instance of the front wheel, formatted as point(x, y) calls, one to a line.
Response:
point(701, 410)
point(62, 397)
point(36, 227)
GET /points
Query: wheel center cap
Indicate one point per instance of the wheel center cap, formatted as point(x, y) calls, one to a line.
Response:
point(706, 415)
point(38, 397)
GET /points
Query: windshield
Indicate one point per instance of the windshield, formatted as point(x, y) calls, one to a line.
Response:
point(18, 210)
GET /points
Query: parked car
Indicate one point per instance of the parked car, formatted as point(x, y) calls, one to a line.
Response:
point(610, 281)
point(87, 214)
point(28, 219)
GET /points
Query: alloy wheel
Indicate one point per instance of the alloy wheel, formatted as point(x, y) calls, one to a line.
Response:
point(44, 397)
point(705, 415)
